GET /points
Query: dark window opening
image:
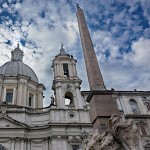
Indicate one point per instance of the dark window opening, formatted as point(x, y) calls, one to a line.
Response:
point(9, 95)
point(71, 115)
point(65, 69)
point(30, 98)
point(69, 99)
point(30, 102)
point(134, 106)
point(75, 147)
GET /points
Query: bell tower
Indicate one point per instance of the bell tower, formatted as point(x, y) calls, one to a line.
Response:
point(66, 84)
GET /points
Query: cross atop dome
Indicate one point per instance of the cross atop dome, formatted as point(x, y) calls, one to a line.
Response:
point(18, 45)
point(17, 54)
point(62, 50)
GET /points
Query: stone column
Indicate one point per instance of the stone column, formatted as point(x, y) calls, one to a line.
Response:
point(22, 144)
point(34, 101)
point(74, 69)
point(64, 145)
point(57, 97)
point(54, 145)
point(12, 144)
point(61, 72)
point(19, 97)
point(60, 98)
point(55, 70)
point(46, 144)
point(78, 98)
point(4, 94)
point(58, 70)
point(40, 98)
point(0, 90)
point(70, 69)
point(27, 97)
point(29, 144)
point(24, 95)
point(14, 95)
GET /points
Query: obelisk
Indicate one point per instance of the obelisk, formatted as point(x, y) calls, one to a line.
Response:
point(102, 105)
point(93, 71)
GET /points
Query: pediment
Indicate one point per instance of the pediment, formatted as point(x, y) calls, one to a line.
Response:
point(8, 122)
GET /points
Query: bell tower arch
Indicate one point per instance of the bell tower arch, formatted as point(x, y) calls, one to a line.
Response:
point(66, 84)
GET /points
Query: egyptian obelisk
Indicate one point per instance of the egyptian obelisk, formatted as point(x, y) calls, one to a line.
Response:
point(102, 105)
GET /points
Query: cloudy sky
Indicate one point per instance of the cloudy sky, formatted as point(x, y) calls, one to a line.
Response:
point(120, 30)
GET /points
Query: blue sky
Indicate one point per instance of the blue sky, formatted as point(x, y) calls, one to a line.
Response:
point(120, 30)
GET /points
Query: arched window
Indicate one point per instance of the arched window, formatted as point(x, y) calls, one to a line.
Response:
point(134, 106)
point(147, 104)
point(69, 99)
point(66, 70)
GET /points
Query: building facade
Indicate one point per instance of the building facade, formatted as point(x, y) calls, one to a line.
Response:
point(24, 123)
point(135, 105)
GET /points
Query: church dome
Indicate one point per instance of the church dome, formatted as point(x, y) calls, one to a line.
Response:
point(16, 67)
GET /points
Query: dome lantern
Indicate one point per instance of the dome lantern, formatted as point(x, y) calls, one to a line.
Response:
point(17, 54)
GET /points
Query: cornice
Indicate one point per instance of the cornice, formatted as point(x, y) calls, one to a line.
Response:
point(137, 116)
point(112, 92)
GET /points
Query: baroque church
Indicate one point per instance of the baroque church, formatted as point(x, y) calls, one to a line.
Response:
point(26, 125)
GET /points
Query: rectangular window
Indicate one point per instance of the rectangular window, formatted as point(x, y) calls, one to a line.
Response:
point(30, 98)
point(9, 95)
point(30, 102)
point(65, 69)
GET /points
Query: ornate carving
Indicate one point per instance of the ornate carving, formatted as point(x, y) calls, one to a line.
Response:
point(4, 107)
point(52, 100)
point(68, 87)
point(58, 137)
point(120, 135)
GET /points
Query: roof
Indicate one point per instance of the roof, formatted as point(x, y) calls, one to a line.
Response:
point(15, 68)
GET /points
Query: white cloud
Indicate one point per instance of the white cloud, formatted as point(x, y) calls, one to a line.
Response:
point(105, 42)
point(5, 5)
point(140, 54)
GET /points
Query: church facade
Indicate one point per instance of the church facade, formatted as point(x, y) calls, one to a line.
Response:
point(24, 123)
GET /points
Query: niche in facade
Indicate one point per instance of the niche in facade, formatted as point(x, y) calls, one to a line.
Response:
point(69, 99)
point(30, 100)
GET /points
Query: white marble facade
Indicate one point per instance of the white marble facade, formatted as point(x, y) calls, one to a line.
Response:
point(25, 124)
